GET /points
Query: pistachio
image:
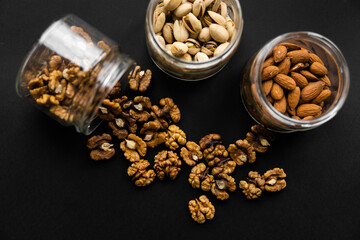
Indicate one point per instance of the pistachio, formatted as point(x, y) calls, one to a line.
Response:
point(168, 47)
point(221, 48)
point(215, 5)
point(192, 23)
point(218, 33)
point(171, 5)
point(186, 57)
point(193, 46)
point(206, 20)
point(217, 18)
point(208, 2)
point(183, 9)
point(194, 35)
point(180, 31)
point(204, 35)
point(199, 8)
point(230, 26)
point(178, 49)
point(168, 32)
point(200, 57)
point(161, 40)
point(209, 48)
point(223, 10)
point(159, 21)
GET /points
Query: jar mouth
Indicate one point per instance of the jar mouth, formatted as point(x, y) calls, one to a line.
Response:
point(233, 44)
point(342, 71)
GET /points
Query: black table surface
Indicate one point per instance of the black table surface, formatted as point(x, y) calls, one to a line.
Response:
point(51, 189)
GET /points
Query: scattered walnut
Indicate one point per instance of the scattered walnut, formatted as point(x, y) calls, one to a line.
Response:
point(199, 177)
point(109, 110)
point(139, 80)
point(260, 138)
point(139, 174)
point(253, 186)
point(224, 165)
point(221, 185)
point(169, 112)
point(141, 108)
point(101, 147)
point(275, 180)
point(213, 149)
point(201, 209)
point(191, 154)
point(152, 136)
point(175, 137)
point(133, 147)
point(167, 164)
point(242, 152)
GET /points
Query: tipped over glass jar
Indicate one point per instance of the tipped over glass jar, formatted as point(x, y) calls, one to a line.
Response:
point(295, 82)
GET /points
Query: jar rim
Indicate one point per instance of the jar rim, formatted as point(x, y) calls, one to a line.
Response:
point(343, 72)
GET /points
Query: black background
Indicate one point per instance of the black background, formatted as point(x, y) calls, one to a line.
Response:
point(51, 189)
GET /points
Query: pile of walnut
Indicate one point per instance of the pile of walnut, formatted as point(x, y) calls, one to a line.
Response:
point(295, 81)
point(140, 125)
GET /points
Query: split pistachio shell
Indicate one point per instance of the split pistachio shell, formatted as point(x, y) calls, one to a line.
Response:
point(206, 20)
point(209, 48)
point(217, 18)
point(218, 33)
point(208, 2)
point(183, 9)
point(194, 35)
point(193, 46)
point(161, 40)
point(204, 35)
point(180, 31)
point(159, 22)
point(199, 8)
point(178, 49)
point(221, 48)
point(168, 32)
point(192, 23)
point(186, 57)
point(201, 57)
point(215, 5)
point(223, 10)
point(230, 26)
point(171, 5)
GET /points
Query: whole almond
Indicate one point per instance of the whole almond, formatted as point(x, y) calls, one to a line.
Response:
point(267, 85)
point(291, 111)
point(293, 98)
point(300, 80)
point(312, 90)
point(318, 69)
point(323, 95)
point(279, 53)
point(308, 109)
point(269, 72)
point(268, 62)
point(298, 56)
point(298, 67)
point(280, 105)
point(284, 66)
point(315, 58)
point(309, 76)
point(285, 81)
point(276, 92)
point(326, 80)
point(290, 46)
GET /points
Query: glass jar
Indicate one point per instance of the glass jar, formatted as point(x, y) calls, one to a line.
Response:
point(261, 109)
point(191, 70)
point(70, 71)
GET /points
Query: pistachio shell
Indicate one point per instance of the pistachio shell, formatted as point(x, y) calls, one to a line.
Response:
point(199, 8)
point(193, 46)
point(183, 9)
point(218, 33)
point(221, 48)
point(178, 49)
point(194, 35)
point(230, 26)
point(171, 5)
point(223, 10)
point(206, 20)
point(159, 22)
point(208, 2)
point(215, 5)
point(180, 31)
point(168, 47)
point(161, 40)
point(186, 57)
point(168, 32)
point(217, 18)
point(204, 35)
point(192, 23)
point(208, 52)
point(200, 57)
point(209, 48)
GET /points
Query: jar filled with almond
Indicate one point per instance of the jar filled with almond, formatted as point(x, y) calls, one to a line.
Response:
point(70, 71)
point(297, 81)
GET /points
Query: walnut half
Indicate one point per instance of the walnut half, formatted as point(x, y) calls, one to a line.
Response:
point(201, 209)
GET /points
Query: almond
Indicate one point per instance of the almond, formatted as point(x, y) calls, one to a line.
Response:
point(318, 69)
point(279, 53)
point(326, 80)
point(270, 99)
point(291, 111)
point(290, 46)
point(284, 66)
point(285, 81)
point(312, 90)
point(268, 62)
point(298, 67)
point(280, 105)
point(296, 117)
point(308, 118)
point(309, 76)
point(307, 109)
point(293, 98)
point(267, 85)
point(269, 72)
point(315, 58)
point(298, 56)
point(276, 92)
point(323, 95)
point(300, 80)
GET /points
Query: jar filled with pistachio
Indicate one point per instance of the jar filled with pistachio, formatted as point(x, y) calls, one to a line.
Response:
point(193, 39)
